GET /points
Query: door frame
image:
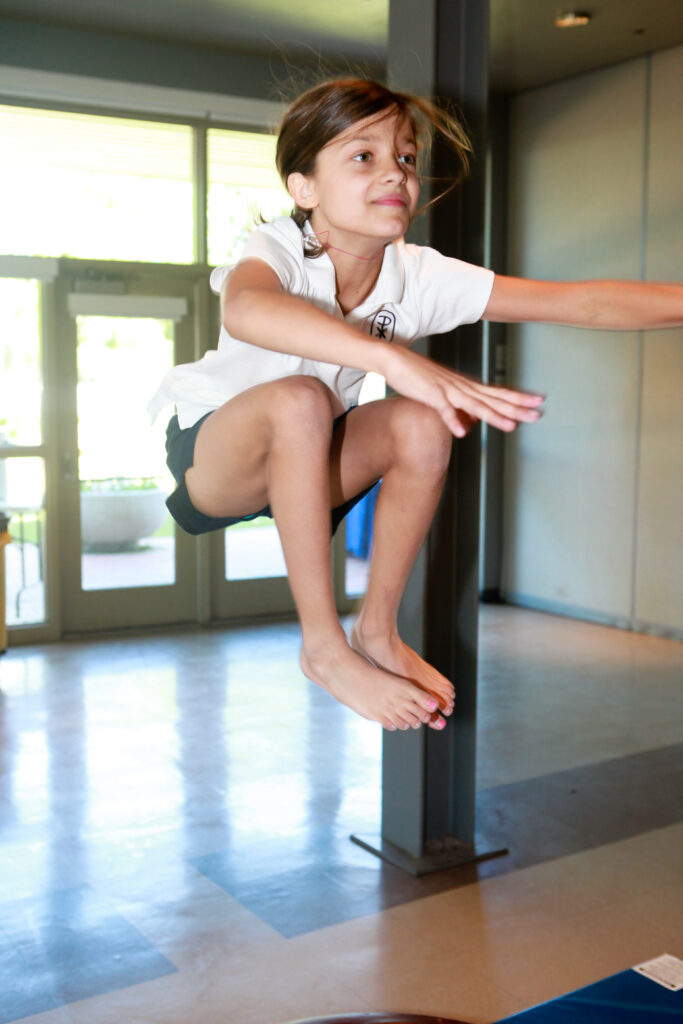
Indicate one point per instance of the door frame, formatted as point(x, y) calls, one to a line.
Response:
point(201, 560)
point(126, 290)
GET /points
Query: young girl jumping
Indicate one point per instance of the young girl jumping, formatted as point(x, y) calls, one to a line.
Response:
point(268, 423)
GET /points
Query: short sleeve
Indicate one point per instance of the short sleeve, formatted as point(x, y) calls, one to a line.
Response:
point(447, 292)
point(279, 244)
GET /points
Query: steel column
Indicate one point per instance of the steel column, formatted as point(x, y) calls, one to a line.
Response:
point(439, 48)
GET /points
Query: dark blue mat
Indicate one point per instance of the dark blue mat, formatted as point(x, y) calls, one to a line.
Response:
point(626, 998)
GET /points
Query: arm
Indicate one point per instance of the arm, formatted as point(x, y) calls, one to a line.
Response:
point(605, 305)
point(256, 310)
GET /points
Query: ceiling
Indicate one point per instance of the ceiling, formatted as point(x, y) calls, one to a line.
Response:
point(526, 48)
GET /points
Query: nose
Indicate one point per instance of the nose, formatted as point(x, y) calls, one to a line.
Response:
point(393, 169)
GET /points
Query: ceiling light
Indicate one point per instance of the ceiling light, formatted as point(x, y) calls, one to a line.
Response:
point(572, 19)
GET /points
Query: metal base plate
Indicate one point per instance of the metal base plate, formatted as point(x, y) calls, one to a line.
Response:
point(439, 854)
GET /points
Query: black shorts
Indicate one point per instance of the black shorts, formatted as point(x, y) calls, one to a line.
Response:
point(180, 457)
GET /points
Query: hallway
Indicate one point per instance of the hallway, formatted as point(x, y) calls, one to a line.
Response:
point(175, 812)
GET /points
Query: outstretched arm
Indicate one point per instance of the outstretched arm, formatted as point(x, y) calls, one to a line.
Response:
point(256, 310)
point(605, 305)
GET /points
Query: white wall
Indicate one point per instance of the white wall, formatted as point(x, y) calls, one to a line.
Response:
point(594, 493)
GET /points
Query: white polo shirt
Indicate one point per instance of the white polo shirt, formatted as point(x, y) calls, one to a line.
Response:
point(418, 292)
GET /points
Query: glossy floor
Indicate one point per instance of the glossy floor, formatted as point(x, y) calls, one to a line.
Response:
point(175, 813)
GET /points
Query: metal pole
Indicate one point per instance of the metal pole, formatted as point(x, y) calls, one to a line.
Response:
point(428, 778)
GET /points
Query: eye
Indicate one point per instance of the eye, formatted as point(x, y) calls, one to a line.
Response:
point(363, 157)
point(408, 158)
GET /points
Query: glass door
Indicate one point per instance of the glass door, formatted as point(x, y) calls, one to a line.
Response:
point(249, 576)
point(124, 563)
point(23, 448)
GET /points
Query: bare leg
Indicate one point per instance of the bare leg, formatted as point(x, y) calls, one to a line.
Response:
point(279, 451)
point(416, 455)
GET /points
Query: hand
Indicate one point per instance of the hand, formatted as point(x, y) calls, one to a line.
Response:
point(460, 400)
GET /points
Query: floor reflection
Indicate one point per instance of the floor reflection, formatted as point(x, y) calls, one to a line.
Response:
point(67, 946)
point(163, 797)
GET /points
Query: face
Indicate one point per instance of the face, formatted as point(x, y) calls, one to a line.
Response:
point(364, 190)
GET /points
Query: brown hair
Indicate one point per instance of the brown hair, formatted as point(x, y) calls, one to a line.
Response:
point(326, 110)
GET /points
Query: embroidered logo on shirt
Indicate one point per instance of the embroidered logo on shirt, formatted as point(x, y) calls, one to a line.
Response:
point(383, 325)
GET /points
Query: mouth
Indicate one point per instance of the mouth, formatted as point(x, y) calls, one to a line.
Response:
point(393, 200)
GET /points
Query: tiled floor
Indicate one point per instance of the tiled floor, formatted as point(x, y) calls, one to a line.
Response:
point(175, 813)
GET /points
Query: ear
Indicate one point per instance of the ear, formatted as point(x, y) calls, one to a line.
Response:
point(302, 191)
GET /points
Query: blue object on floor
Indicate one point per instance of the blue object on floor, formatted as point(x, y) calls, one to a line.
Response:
point(359, 525)
point(626, 998)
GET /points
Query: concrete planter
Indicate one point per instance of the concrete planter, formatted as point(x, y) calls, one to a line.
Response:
point(118, 520)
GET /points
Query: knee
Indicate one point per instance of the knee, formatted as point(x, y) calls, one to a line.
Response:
point(421, 438)
point(300, 403)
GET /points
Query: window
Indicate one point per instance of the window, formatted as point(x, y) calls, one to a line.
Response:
point(96, 187)
point(243, 186)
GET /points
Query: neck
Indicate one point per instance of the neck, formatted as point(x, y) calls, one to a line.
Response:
point(324, 239)
point(356, 276)
point(357, 262)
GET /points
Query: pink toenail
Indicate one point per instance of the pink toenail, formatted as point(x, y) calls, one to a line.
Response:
point(432, 706)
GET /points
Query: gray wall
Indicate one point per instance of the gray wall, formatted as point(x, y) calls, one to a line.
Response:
point(594, 493)
point(271, 75)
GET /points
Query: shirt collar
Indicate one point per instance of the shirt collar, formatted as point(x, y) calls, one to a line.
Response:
point(389, 285)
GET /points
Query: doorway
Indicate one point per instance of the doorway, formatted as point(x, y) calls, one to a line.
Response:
point(82, 471)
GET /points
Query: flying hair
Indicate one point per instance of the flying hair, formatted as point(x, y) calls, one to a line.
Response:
point(322, 113)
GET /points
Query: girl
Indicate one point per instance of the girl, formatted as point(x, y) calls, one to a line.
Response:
point(268, 423)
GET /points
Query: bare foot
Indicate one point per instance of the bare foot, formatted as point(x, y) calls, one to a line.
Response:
point(370, 691)
point(391, 654)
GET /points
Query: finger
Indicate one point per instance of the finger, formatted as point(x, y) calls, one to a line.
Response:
point(482, 411)
point(465, 422)
point(464, 393)
point(504, 401)
point(452, 420)
point(519, 413)
point(513, 395)
point(459, 420)
point(496, 411)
